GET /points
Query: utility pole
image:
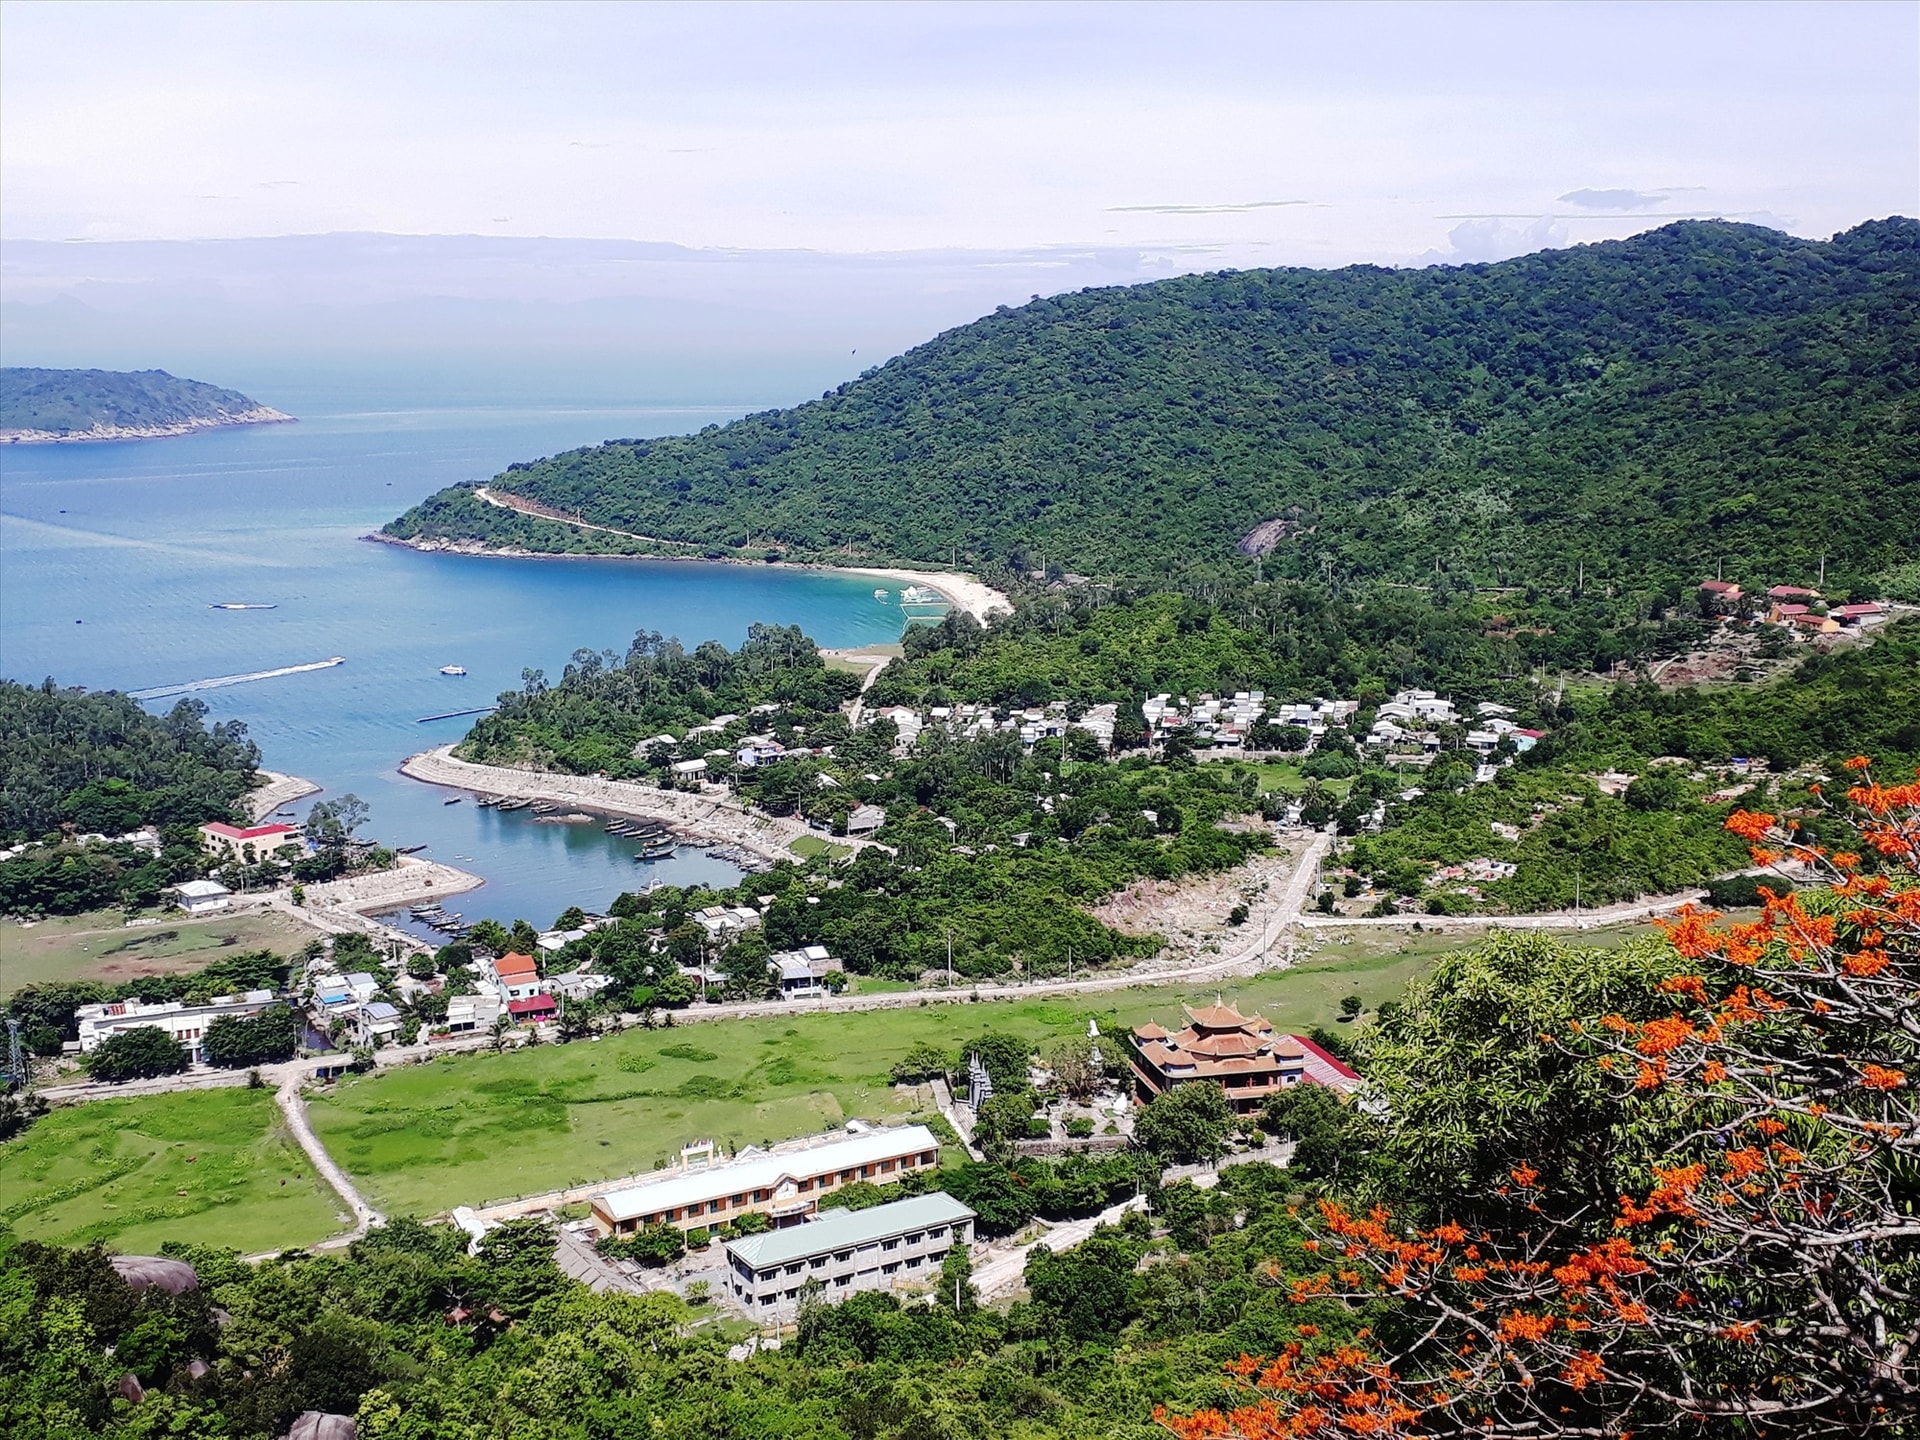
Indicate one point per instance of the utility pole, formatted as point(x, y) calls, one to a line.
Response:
point(949, 959)
point(18, 1070)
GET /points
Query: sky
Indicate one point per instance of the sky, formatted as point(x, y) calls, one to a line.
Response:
point(1195, 135)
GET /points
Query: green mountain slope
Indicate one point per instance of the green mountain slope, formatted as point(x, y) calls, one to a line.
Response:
point(1705, 394)
point(58, 403)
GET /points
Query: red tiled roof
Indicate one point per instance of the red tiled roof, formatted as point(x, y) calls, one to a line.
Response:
point(1325, 1057)
point(252, 832)
point(1870, 607)
point(1719, 587)
point(1149, 1031)
point(537, 1005)
point(1785, 592)
point(509, 965)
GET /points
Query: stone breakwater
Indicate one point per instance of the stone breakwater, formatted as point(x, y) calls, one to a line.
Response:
point(700, 816)
point(277, 790)
point(260, 415)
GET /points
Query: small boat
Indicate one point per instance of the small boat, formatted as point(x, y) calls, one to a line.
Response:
point(454, 801)
point(409, 849)
point(239, 605)
point(882, 594)
point(453, 669)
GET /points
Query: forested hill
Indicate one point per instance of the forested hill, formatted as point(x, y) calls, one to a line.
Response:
point(44, 406)
point(1705, 394)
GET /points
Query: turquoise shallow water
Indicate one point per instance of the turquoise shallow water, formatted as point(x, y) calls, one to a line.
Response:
point(137, 541)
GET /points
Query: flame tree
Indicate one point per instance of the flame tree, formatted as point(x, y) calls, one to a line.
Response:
point(1762, 1281)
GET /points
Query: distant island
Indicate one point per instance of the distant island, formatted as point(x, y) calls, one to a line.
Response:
point(52, 407)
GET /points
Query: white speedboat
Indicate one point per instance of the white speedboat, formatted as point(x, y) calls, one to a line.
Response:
point(453, 669)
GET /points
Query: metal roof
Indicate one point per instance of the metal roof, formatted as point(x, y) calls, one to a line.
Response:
point(765, 1171)
point(845, 1229)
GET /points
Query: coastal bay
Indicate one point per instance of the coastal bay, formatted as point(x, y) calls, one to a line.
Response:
point(113, 555)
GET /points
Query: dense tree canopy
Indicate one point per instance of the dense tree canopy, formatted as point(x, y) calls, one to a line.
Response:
point(1707, 393)
point(99, 762)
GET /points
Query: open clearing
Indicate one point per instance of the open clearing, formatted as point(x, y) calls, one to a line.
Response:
point(101, 946)
point(115, 1170)
point(808, 846)
point(482, 1128)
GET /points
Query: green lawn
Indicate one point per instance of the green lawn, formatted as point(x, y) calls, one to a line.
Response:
point(808, 846)
point(101, 946)
point(116, 1170)
point(1285, 775)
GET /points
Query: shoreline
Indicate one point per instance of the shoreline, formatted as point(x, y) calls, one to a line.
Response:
point(708, 817)
point(101, 433)
point(961, 591)
point(275, 791)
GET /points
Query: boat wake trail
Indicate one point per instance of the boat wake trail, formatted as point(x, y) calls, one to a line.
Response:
point(160, 691)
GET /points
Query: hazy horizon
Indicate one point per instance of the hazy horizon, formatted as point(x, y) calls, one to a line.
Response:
point(758, 201)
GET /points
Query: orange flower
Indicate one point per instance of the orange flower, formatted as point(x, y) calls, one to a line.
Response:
point(1524, 1175)
point(1518, 1325)
point(1878, 1077)
point(1750, 824)
point(1583, 1370)
point(1859, 762)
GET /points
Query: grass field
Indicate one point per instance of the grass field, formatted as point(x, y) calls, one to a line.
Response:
point(210, 1166)
point(808, 846)
point(470, 1129)
point(100, 945)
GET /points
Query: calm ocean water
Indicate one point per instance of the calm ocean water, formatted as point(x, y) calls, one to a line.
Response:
point(137, 541)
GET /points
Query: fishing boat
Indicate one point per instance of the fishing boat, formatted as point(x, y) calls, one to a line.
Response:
point(453, 669)
point(454, 801)
point(239, 605)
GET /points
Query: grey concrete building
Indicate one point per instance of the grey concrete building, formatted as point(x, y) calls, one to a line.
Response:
point(900, 1243)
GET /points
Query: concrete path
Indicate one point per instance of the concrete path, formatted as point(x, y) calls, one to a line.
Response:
point(1007, 1272)
point(294, 1106)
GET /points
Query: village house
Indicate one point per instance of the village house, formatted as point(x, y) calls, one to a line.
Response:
point(1864, 615)
point(847, 1251)
point(758, 750)
point(375, 1023)
point(1722, 597)
point(1240, 1053)
point(723, 920)
point(784, 1184)
point(202, 897)
point(514, 977)
point(472, 1012)
point(803, 972)
point(186, 1025)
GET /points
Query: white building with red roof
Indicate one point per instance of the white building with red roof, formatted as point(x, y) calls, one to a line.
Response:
point(232, 841)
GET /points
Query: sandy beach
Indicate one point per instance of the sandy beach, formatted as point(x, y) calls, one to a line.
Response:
point(963, 591)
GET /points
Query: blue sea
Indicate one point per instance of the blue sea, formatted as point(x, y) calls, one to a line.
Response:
point(113, 555)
